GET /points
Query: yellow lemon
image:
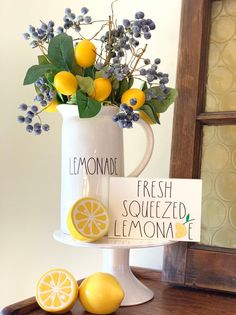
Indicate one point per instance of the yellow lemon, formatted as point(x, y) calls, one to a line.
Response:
point(65, 83)
point(180, 230)
point(102, 89)
point(85, 53)
point(52, 106)
point(57, 291)
point(88, 220)
point(145, 117)
point(133, 93)
point(101, 293)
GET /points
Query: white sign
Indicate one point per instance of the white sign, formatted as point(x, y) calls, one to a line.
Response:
point(155, 209)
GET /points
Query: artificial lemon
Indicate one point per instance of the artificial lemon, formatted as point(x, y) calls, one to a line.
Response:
point(65, 83)
point(101, 293)
point(57, 291)
point(102, 89)
point(52, 106)
point(85, 53)
point(180, 230)
point(138, 94)
point(88, 220)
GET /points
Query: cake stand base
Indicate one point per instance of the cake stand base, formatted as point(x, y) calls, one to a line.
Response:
point(116, 262)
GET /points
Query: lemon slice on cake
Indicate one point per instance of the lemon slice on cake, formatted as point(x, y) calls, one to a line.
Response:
point(88, 220)
point(57, 291)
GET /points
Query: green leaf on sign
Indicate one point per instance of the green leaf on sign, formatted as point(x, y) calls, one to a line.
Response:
point(187, 218)
point(161, 106)
point(37, 71)
point(61, 52)
point(86, 84)
point(147, 109)
point(87, 107)
point(43, 60)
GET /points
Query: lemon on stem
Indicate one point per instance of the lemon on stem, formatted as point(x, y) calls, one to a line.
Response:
point(85, 53)
point(138, 94)
point(65, 83)
point(102, 89)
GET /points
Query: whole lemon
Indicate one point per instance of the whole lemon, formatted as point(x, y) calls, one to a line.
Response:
point(52, 106)
point(85, 53)
point(101, 293)
point(138, 94)
point(65, 83)
point(180, 230)
point(102, 89)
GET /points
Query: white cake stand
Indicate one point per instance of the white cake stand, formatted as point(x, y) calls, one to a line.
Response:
point(116, 262)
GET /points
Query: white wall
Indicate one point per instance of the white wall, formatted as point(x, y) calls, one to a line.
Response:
point(29, 166)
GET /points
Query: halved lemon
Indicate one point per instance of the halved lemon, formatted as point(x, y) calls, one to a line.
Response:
point(57, 291)
point(88, 220)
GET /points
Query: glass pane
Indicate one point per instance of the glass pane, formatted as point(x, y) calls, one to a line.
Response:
point(218, 173)
point(221, 85)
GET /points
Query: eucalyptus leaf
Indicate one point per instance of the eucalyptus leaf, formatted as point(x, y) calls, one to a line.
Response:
point(161, 106)
point(61, 52)
point(36, 72)
point(86, 84)
point(87, 106)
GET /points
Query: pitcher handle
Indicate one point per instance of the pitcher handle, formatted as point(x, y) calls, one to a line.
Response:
point(149, 148)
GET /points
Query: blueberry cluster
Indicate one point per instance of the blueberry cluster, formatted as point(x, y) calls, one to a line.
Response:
point(71, 21)
point(123, 39)
point(126, 116)
point(39, 35)
point(30, 113)
point(44, 33)
point(46, 92)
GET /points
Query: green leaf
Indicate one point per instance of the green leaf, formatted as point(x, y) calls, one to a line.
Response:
point(147, 109)
point(161, 106)
point(100, 73)
point(87, 107)
point(131, 82)
point(86, 84)
point(144, 86)
point(124, 86)
point(115, 84)
point(42, 60)
point(61, 52)
point(72, 99)
point(37, 71)
point(187, 218)
point(89, 72)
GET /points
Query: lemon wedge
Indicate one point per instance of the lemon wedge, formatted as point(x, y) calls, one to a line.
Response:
point(57, 291)
point(88, 220)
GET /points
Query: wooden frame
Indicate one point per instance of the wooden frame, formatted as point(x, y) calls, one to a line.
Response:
point(192, 264)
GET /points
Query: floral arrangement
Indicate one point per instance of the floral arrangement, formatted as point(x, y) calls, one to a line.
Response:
point(95, 72)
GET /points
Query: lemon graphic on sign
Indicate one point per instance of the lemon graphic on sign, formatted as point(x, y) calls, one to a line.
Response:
point(181, 229)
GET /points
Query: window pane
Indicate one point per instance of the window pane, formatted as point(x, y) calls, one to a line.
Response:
point(218, 173)
point(221, 85)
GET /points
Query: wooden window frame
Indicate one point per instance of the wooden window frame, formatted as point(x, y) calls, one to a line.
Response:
point(192, 264)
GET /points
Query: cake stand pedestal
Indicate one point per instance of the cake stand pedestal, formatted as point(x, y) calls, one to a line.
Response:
point(116, 262)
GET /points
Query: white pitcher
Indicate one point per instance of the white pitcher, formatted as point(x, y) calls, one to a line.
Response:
point(91, 152)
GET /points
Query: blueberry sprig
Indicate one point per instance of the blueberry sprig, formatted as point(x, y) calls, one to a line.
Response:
point(126, 116)
point(46, 92)
point(31, 112)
